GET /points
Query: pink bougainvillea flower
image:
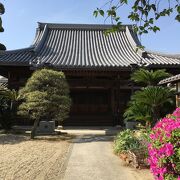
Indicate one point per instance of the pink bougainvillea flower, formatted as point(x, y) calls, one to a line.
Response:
point(163, 148)
point(177, 112)
point(169, 149)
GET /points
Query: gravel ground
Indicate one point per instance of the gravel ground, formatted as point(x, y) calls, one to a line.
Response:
point(24, 159)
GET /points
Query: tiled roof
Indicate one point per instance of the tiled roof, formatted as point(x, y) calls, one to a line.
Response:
point(170, 79)
point(85, 46)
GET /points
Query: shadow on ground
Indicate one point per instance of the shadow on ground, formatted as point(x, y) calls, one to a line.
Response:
point(61, 137)
point(70, 134)
point(93, 138)
point(12, 139)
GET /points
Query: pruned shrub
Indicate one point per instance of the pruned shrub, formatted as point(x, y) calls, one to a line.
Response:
point(45, 97)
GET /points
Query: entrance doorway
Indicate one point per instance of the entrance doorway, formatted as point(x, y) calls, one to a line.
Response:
point(90, 107)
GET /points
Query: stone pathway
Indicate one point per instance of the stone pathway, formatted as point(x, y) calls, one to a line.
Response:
point(92, 159)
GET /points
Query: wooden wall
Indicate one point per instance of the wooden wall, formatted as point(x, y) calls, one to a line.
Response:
point(99, 97)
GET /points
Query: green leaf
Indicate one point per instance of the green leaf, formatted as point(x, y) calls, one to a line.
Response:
point(155, 29)
point(1, 29)
point(2, 9)
point(101, 12)
point(134, 16)
point(2, 47)
point(124, 1)
point(141, 28)
point(140, 8)
point(95, 13)
point(153, 7)
point(117, 19)
point(178, 18)
point(135, 28)
point(151, 20)
point(119, 24)
point(157, 16)
point(111, 12)
point(144, 2)
point(145, 31)
point(178, 9)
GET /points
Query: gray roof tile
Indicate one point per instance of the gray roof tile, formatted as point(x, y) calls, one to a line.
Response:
point(84, 46)
point(170, 79)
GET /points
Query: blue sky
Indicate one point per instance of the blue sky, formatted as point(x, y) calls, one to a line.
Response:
point(21, 17)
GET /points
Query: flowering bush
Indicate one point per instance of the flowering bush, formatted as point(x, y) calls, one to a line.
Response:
point(164, 148)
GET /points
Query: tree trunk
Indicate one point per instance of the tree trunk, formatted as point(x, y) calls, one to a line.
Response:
point(33, 131)
point(156, 115)
point(148, 124)
point(11, 106)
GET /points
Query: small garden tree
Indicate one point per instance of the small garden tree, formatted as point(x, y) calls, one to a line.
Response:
point(8, 106)
point(149, 78)
point(138, 111)
point(45, 96)
point(152, 100)
point(147, 103)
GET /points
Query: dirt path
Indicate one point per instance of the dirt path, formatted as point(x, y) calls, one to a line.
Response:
point(23, 159)
point(92, 159)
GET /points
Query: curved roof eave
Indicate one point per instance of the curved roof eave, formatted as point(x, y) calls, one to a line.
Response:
point(36, 45)
point(31, 48)
point(22, 57)
point(133, 39)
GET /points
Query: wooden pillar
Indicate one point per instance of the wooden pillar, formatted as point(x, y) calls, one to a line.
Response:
point(9, 79)
point(117, 99)
point(112, 100)
point(113, 105)
point(178, 94)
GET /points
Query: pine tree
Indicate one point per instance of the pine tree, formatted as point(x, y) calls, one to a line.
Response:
point(45, 97)
point(2, 11)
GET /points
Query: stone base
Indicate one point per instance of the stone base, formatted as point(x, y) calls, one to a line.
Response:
point(46, 127)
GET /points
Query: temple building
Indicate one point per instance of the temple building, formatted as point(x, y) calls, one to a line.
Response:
point(97, 67)
point(174, 83)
